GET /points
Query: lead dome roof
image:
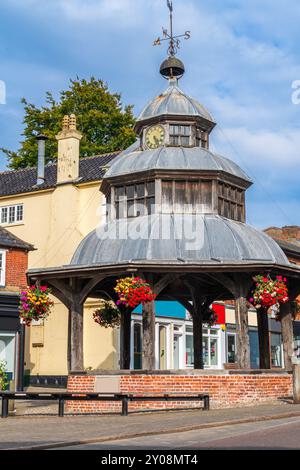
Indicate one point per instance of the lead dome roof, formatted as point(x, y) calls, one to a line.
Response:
point(217, 240)
point(174, 102)
point(172, 158)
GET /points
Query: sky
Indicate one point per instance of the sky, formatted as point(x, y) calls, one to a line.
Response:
point(241, 63)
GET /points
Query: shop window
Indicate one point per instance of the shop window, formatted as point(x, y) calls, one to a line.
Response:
point(254, 349)
point(189, 348)
point(7, 350)
point(176, 351)
point(210, 344)
point(276, 350)
point(137, 346)
point(2, 268)
point(214, 356)
point(162, 347)
point(231, 349)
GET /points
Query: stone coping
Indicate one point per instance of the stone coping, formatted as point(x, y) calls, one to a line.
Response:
point(184, 372)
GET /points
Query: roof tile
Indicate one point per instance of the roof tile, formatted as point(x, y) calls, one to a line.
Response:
point(24, 181)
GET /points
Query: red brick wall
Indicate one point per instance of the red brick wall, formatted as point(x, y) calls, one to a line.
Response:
point(16, 267)
point(226, 391)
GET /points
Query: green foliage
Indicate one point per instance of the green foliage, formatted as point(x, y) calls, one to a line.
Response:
point(106, 125)
point(108, 315)
point(3, 376)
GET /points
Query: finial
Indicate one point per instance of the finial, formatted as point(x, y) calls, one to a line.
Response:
point(66, 123)
point(172, 67)
point(73, 124)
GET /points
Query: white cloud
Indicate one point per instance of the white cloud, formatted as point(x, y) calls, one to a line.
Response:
point(266, 148)
point(118, 11)
point(241, 61)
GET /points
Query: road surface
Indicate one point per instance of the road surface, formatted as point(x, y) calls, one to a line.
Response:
point(276, 434)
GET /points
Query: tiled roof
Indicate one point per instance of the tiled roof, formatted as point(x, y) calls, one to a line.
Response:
point(288, 247)
point(8, 240)
point(24, 181)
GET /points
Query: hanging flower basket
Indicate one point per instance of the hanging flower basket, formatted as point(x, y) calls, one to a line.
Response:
point(35, 304)
point(212, 318)
point(108, 315)
point(133, 291)
point(295, 307)
point(268, 292)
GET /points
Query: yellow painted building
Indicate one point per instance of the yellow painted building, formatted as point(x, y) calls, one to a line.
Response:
point(54, 216)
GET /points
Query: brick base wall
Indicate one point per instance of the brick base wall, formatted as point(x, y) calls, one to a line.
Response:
point(226, 391)
point(16, 267)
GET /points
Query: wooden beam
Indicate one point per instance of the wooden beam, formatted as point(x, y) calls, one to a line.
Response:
point(287, 332)
point(264, 339)
point(164, 282)
point(149, 336)
point(89, 286)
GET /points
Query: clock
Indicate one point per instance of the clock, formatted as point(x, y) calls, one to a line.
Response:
point(155, 137)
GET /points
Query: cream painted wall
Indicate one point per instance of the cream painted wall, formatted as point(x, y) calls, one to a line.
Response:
point(230, 316)
point(55, 222)
point(100, 344)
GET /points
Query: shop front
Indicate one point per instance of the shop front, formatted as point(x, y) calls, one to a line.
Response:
point(174, 348)
point(275, 340)
point(11, 339)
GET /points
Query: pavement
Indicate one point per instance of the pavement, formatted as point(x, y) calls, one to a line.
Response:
point(36, 426)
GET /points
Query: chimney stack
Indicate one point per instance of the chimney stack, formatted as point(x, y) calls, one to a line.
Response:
point(68, 151)
point(41, 138)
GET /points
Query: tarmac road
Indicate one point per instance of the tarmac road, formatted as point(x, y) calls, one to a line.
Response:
point(269, 435)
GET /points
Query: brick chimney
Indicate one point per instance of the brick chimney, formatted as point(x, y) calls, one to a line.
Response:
point(68, 151)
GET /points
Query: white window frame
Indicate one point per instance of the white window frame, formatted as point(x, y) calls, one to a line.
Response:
point(13, 208)
point(3, 269)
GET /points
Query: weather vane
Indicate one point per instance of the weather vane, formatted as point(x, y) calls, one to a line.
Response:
point(173, 40)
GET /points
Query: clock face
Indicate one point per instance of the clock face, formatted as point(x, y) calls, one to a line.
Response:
point(155, 137)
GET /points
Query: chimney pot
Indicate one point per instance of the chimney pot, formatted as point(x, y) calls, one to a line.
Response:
point(41, 138)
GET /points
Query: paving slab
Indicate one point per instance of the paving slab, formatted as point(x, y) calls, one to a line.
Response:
point(43, 431)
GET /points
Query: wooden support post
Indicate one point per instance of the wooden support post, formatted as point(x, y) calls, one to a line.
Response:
point(242, 330)
point(198, 341)
point(296, 383)
point(76, 330)
point(198, 332)
point(264, 339)
point(286, 317)
point(149, 336)
point(69, 355)
point(125, 340)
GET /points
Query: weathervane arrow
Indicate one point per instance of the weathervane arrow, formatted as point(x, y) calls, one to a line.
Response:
point(173, 40)
point(170, 5)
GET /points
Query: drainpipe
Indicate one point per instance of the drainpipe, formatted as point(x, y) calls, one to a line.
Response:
point(41, 138)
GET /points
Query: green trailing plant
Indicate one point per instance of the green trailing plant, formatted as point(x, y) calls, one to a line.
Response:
point(108, 315)
point(3, 376)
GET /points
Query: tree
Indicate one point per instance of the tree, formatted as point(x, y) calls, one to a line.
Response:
point(106, 125)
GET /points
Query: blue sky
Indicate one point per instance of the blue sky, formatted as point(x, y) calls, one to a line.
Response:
point(241, 62)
